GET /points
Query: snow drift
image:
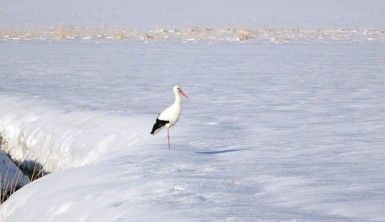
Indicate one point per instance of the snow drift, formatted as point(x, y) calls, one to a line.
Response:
point(60, 139)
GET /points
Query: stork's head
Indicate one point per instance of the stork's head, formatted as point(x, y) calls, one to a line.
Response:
point(179, 91)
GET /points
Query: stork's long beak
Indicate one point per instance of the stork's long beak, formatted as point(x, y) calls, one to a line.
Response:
point(183, 94)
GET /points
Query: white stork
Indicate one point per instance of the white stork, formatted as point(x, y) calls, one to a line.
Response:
point(168, 117)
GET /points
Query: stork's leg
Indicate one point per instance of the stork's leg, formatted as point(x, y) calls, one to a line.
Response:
point(168, 137)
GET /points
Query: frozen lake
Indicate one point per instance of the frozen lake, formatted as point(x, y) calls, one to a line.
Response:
point(272, 131)
point(150, 14)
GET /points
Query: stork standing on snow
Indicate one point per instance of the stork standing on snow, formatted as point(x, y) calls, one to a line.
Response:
point(168, 117)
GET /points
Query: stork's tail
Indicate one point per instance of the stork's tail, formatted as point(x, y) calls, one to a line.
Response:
point(158, 125)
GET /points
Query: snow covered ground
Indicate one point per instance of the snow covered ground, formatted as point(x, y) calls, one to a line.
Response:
point(272, 132)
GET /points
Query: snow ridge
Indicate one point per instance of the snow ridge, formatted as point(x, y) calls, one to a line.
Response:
point(58, 139)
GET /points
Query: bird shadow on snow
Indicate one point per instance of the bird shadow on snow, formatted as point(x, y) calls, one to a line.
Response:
point(219, 151)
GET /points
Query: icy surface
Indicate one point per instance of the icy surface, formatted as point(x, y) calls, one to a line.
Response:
point(271, 133)
point(151, 14)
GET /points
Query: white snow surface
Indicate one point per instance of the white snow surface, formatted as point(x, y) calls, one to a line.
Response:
point(272, 132)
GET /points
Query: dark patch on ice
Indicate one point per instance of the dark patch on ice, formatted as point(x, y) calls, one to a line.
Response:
point(219, 151)
point(32, 169)
point(117, 204)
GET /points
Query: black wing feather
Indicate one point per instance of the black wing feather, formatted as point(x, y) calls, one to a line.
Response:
point(158, 124)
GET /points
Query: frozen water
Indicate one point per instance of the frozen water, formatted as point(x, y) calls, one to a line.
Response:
point(150, 14)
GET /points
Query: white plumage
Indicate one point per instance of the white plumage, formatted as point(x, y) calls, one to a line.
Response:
point(170, 116)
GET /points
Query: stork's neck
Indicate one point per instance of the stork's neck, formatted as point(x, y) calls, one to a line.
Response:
point(177, 99)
